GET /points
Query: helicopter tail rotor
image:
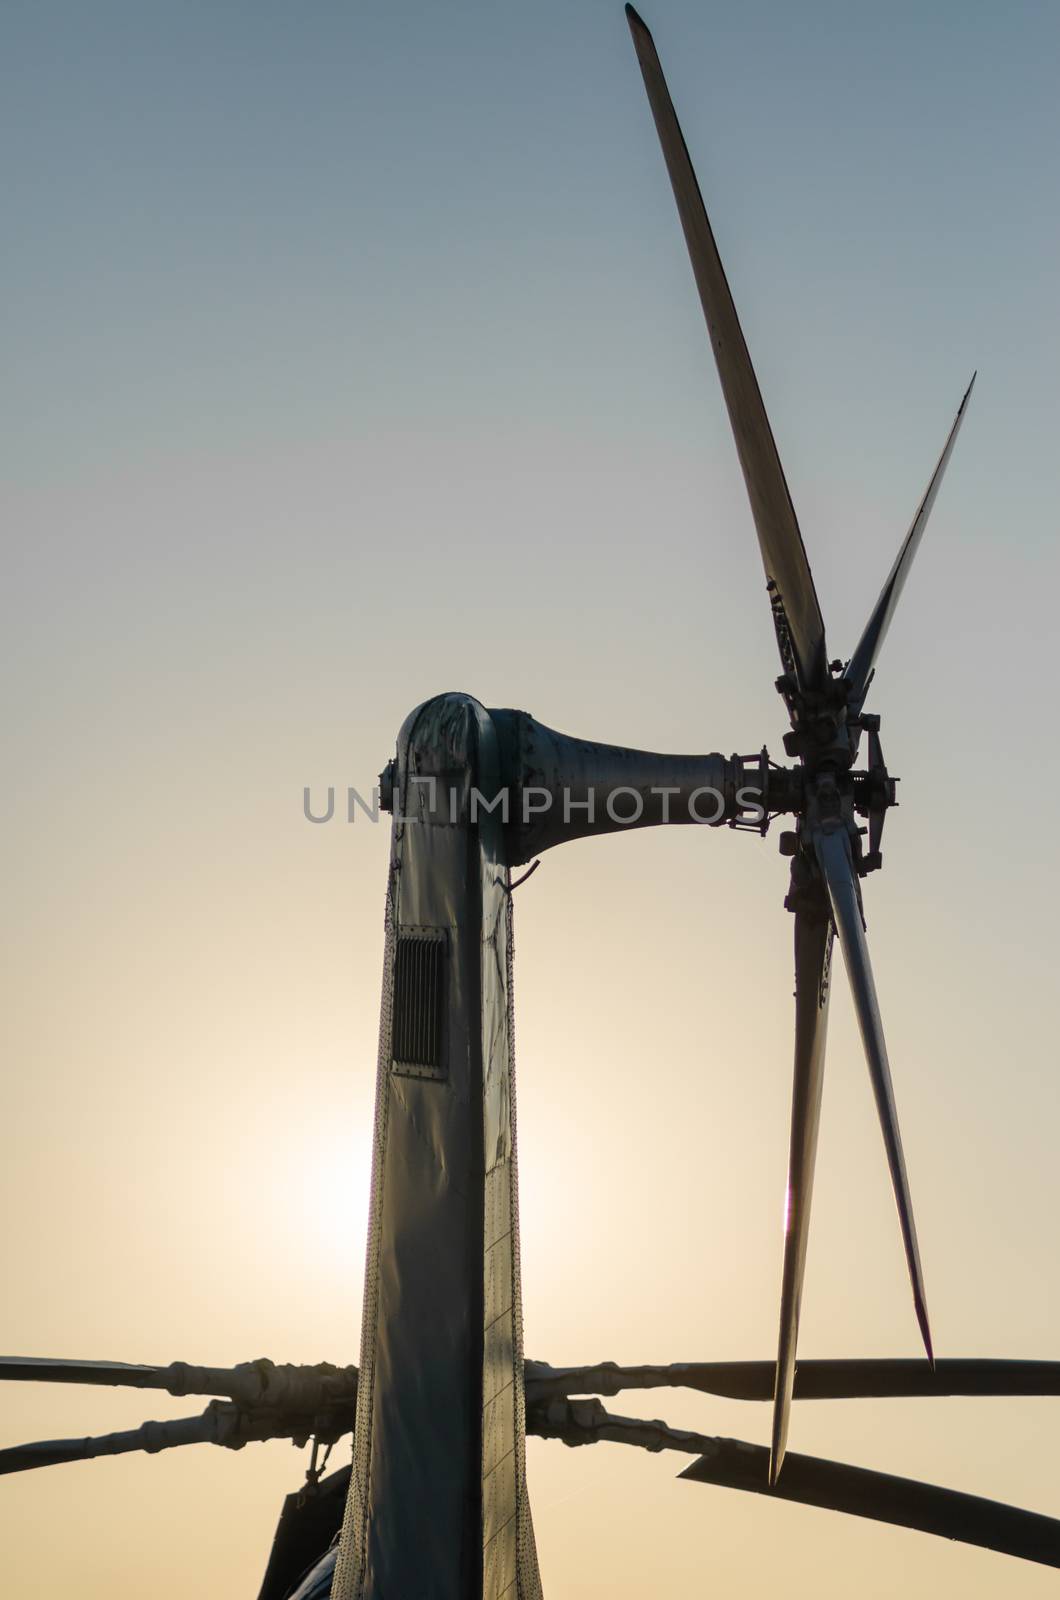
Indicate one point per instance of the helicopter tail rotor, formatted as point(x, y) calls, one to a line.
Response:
point(824, 702)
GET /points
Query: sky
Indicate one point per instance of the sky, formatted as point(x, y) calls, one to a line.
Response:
point(352, 354)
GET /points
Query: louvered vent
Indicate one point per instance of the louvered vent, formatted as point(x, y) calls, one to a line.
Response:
point(419, 995)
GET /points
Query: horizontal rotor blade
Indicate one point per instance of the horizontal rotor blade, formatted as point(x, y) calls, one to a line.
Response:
point(796, 610)
point(879, 1496)
point(859, 668)
point(222, 1423)
point(251, 1383)
point(151, 1437)
point(814, 1380)
point(813, 954)
point(834, 857)
point(113, 1374)
point(848, 1379)
point(811, 1481)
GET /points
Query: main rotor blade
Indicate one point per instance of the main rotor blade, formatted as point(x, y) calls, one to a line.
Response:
point(796, 611)
point(113, 1374)
point(834, 856)
point(810, 1481)
point(222, 1423)
point(860, 666)
point(904, 1502)
point(152, 1437)
point(813, 952)
point(814, 1380)
point(251, 1383)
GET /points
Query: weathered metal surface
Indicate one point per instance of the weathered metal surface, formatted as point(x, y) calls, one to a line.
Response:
point(437, 1504)
point(556, 788)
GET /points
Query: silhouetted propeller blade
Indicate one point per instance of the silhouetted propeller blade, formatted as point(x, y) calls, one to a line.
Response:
point(812, 1482)
point(117, 1374)
point(152, 1437)
point(902, 1501)
point(814, 1380)
point(833, 854)
point(813, 949)
point(222, 1423)
point(796, 612)
point(859, 668)
point(251, 1383)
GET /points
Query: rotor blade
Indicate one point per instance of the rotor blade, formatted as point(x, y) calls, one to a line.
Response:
point(115, 1374)
point(810, 1481)
point(813, 954)
point(222, 1423)
point(152, 1437)
point(814, 1380)
point(251, 1383)
point(796, 611)
point(859, 668)
point(834, 856)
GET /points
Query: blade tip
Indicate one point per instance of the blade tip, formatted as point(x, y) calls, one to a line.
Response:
point(778, 1443)
point(925, 1334)
point(636, 21)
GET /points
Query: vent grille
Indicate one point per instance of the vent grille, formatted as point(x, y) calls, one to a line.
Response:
point(419, 993)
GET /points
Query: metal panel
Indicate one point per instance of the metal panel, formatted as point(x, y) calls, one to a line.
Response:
point(437, 1504)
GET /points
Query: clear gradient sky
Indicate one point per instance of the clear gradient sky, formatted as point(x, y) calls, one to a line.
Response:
point(350, 354)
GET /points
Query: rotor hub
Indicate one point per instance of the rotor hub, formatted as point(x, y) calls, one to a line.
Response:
point(828, 793)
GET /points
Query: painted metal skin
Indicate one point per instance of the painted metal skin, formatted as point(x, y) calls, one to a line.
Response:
point(437, 1504)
